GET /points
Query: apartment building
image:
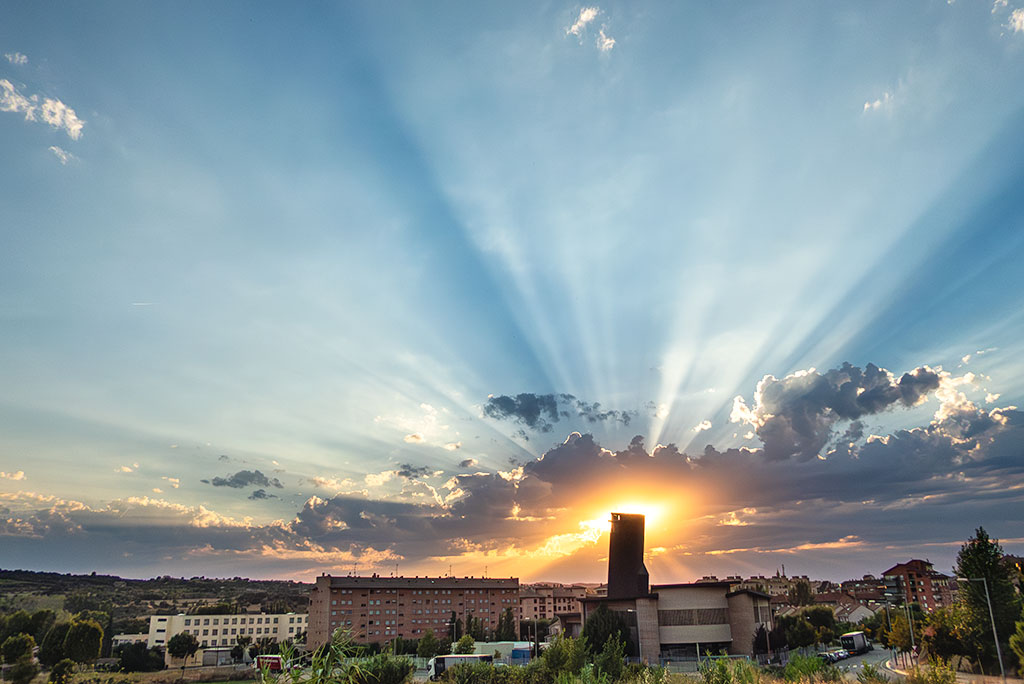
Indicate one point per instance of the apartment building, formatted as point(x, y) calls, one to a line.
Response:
point(224, 630)
point(383, 608)
point(916, 581)
point(545, 600)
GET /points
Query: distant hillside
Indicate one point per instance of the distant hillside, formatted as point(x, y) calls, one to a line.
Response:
point(128, 600)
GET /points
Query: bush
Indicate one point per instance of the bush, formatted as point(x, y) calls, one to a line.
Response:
point(870, 674)
point(470, 673)
point(802, 668)
point(62, 671)
point(16, 647)
point(382, 669)
point(936, 672)
point(23, 671)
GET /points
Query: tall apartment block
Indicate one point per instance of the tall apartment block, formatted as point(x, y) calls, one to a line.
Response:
point(382, 608)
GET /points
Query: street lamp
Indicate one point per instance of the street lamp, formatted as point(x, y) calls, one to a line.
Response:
point(991, 616)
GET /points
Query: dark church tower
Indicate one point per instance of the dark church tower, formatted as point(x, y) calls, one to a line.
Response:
point(627, 576)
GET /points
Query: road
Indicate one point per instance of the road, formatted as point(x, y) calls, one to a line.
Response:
point(851, 666)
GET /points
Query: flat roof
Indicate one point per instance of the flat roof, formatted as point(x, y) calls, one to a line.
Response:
point(424, 582)
point(689, 585)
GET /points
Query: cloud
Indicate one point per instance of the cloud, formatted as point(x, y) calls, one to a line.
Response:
point(587, 15)
point(453, 446)
point(1016, 22)
point(702, 425)
point(16, 58)
point(604, 42)
point(795, 416)
point(883, 102)
point(127, 468)
point(17, 475)
point(540, 411)
point(468, 463)
point(52, 111)
point(62, 155)
point(245, 478)
point(260, 494)
point(999, 5)
point(411, 472)
point(415, 438)
point(173, 481)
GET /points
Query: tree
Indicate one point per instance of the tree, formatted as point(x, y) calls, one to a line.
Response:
point(18, 622)
point(62, 671)
point(465, 645)
point(16, 647)
point(565, 655)
point(183, 645)
point(943, 636)
point(51, 651)
point(899, 636)
point(800, 594)
point(800, 632)
point(602, 624)
point(42, 621)
point(83, 641)
point(238, 650)
point(23, 671)
point(759, 642)
point(982, 557)
point(136, 657)
point(611, 658)
point(429, 646)
point(1017, 642)
point(506, 626)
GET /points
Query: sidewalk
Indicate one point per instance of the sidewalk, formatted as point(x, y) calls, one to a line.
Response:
point(965, 677)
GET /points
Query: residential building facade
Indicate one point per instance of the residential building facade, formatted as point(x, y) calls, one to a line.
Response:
point(224, 630)
point(916, 581)
point(375, 608)
point(545, 600)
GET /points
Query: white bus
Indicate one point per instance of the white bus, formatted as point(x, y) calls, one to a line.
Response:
point(438, 664)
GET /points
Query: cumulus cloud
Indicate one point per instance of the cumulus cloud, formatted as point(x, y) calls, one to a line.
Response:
point(468, 463)
point(414, 438)
point(453, 446)
point(16, 475)
point(173, 481)
point(51, 111)
point(260, 494)
point(16, 58)
point(587, 15)
point(604, 42)
point(702, 426)
point(245, 478)
point(795, 416)
point(540, 411)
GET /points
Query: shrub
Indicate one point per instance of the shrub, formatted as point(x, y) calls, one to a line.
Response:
point(936, 672)
point(62, 671)
point(382, 669)
point(870, 674)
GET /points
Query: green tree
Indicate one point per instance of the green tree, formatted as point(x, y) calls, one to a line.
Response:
point(800, 594)
point(800, 632)
point(1017, 642)
point(83, 641)
point(565, 656)
point(465, 645)
point(899, 636)
point(51, 651)
point(62, 671)
point(428, 646)
point(23, 671)
point(602, 624)
point(183, 645)
point(16, 647)
point(18, 622)
point(611, 659)
point(137, 657)
point(506, 626)
point(42, 621)
point(943, 636)
point(982, 557)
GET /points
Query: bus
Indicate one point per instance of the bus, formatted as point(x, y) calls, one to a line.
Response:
point(438, 664)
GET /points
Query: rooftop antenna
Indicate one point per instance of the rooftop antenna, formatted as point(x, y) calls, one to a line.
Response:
point(449, 571)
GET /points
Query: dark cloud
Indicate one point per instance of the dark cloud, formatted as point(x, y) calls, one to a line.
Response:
point(411, 472)
point(540, 411)
point(467, 463)
point(245, 478)
point(795, 416)
point(223, 457)
point(259, 494)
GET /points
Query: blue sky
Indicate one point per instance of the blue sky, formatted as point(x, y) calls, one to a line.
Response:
point(334, 286)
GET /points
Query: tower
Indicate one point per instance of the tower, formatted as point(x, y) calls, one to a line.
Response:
point(627, 575)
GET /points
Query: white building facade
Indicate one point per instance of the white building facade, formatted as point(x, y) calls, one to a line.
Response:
point(224, 630)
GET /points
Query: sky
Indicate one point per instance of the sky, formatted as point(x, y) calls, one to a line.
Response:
point(433, 288)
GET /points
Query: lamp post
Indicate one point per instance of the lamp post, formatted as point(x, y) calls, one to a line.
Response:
point(991, 616)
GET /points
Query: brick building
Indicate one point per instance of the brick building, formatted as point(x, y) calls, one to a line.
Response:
point(382, 608)
point(916, 581)
point(544, 600)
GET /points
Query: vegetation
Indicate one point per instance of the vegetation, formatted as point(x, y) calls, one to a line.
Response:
point(16, 647)
point(428, 646)
point(138, 658)
point(62, 671)
point(465, 645)
point(603, 624)
point(182, 645)
point(936, 672)
point(83, 641)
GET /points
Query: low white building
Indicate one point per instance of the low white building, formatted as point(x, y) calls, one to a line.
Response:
point(122, 639)
point(224, 630)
